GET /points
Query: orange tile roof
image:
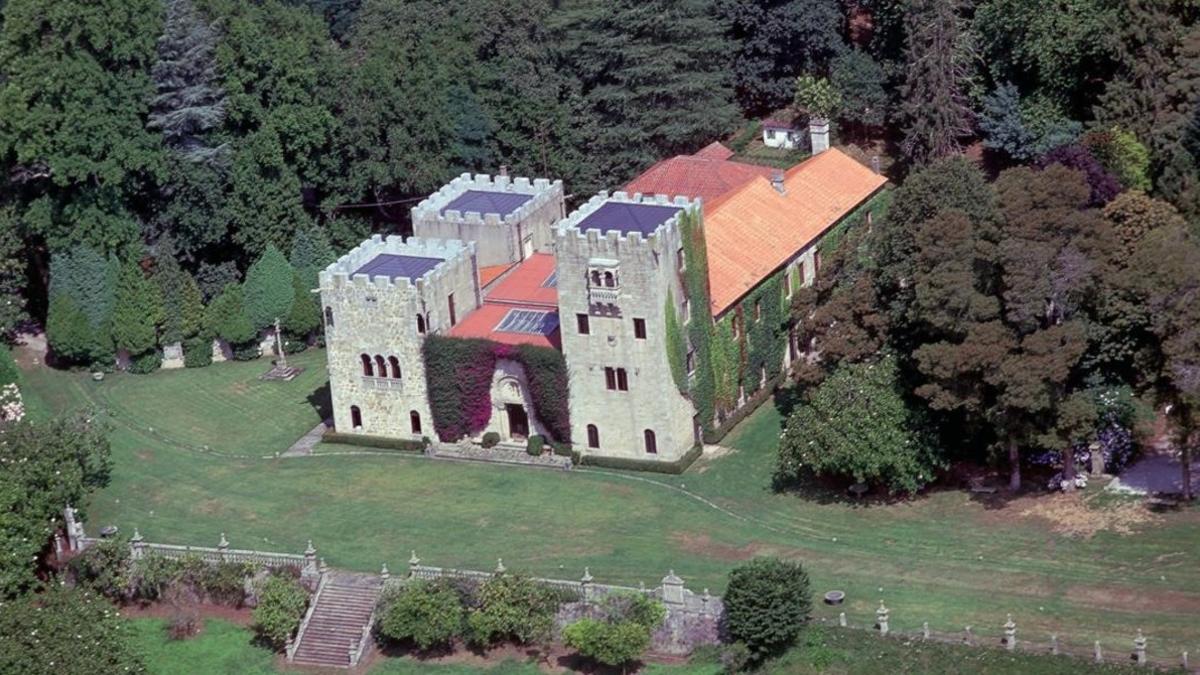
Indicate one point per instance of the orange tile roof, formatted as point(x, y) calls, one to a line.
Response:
point(526, 285)
point(700, 176)
point(714, 150)
point(750, 233)
point(482, 323)
point(490, 273)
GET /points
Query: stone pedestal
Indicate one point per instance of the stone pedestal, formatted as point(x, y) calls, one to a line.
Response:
point(218, 351)
point(172, 355)
point(1097, 463)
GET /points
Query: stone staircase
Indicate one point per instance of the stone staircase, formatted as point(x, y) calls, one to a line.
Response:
point(333, 634)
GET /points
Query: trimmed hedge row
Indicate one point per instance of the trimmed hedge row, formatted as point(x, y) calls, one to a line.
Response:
point(629, 464)
point(401, 444)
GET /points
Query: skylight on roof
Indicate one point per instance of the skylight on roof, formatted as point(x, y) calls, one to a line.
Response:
point(529, 322)
point(551, 281)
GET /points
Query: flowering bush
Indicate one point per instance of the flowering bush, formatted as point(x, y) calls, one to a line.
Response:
point(12, 407)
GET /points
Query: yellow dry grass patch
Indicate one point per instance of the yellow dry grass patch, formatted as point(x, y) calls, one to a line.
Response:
point(1073, 516)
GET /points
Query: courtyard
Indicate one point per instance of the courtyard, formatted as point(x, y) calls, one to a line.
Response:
point(194, 454)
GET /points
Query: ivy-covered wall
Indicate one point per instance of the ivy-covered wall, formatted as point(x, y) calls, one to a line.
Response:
point(700, 325)
point(459, 372)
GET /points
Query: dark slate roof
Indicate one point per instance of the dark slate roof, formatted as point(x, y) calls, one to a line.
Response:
point(626, 217)
point(482, 201)
point(397, 266)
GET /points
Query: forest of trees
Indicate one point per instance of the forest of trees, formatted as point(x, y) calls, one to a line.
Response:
point(175, 170)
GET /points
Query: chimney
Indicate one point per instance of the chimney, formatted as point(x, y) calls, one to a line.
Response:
point(818, 131)
point(503, 169)
point(777, 182)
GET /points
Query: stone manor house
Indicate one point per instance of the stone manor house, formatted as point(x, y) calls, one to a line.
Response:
point(499, 258)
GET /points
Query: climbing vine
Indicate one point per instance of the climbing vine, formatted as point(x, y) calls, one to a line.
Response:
point(676, 349)
point(458, 374)
point(700, 325)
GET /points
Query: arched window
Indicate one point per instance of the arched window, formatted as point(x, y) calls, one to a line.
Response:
point(329, 317)
point(595, 277)
point(395, 364)
point(593, 436)
point(651, 443)
point(355, 417)
point(366, 363)
point(380, 366)
point(420, 324)
point(609, 279)
point(414, 419)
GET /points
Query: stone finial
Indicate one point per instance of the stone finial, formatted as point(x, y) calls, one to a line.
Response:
point(321, 566)
point(1185, 661)
point(587, 576)
point(925, 630)
point(1010, 634)
point(289, 646)
point(1097, 655)
point(842, 619)
point(967, 637)
point(1139, 648)
point(310, 551)
point(1054, 645)
point(383, 573)
point(500, 568)
point(881, 618)
point(224, 543)
point(136, 538)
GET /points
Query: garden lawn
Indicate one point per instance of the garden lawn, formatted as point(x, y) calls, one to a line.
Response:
point(946, 558)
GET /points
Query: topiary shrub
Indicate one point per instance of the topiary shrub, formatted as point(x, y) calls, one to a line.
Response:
point(491, 439)
point(146, 362)
point(535, 445)
point(281, 605)
point(197, 353)
point(767, 604)
point(512, 607)
point(562, 449)
point(619, 633)
point(429, 614)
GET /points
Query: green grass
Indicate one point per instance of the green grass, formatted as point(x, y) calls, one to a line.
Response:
point(222, 647)
point(944, 558)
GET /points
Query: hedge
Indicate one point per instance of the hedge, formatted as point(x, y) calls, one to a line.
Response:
point(535, 445)
point(197, 352)
point(629, 464)
point(384, 442)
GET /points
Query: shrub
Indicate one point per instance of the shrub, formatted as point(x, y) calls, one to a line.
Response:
point(105, 568)
point(184, 620)
point(562, 449)
point(535, 445)
point(767, 603)
point(512, 607)
point(66, 630)
point(281, 604)
point(428, 614)
point(146, 362)
point(612, 644)
point(385, 442)
point(631, 464)
point(491, 439)
point(197, 353)
point(246, 351)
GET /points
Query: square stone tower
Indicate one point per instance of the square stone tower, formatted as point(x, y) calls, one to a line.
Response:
point(379, 301)
point(619, 263)
point(508, 218)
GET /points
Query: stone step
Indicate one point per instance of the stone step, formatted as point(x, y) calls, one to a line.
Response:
point(343, 608)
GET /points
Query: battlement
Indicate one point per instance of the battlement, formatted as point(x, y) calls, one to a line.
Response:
point(449, 253)
point(598, 226)
point(539, 190)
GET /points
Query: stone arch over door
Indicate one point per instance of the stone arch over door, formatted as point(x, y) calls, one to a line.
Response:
point(510, 389)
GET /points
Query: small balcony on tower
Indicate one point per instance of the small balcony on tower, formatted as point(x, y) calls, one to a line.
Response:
point(604, 281)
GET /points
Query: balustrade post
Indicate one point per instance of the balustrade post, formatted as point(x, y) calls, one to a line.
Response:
point(1010, 634)
point(925, 630)
point(222, 546)
point(137, 545)
point(585, 584)
point(1139, 648)
point(1054, 644)
point(413, 563)
point(384, 574)
point(881, 618)
point(1097, 656)
point(672, 589)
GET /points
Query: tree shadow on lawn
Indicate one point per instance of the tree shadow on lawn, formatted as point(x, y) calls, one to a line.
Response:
point(321, 401)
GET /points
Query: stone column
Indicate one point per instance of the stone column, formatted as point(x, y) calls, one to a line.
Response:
point(881, 618)
point(585, 585)
point(1010, 634)
point(384, 574)
point(413, 563)
point(1139, 648)
point(925, 630)
point(818, 132)
point(672, 589)
point(500, 568)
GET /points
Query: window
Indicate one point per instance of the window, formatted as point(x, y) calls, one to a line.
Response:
point(679, 259)
point(368, 370)
point(622, 381)
point(651, 442)
point(593, 435)
point(800, 269)
point(414, 421)
point(595, 278)
point(639, 329)
point(380, 366)
point(735, 324)
point(355, 417)
point(687, 311)
point(610, 378)
point(816, 262)
point(757, 310)
point(582, 324)
point(691, 361)
point(420, 324)
point(395, 364)
point(610, 280)
point(787, 282)
point(450, 302)
point(329, 317)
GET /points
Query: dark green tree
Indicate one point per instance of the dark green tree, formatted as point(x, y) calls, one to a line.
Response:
point(137, 311)
point(225, 317)
point(183, 305)
point(652, 87)
point(66, 630)
point(12, 273)
point(934, 111)
point(82, 281)
point(430, 614)
point(860, 81)
point(767, 604)
point(269, 288)
point(776, 41)
point(304, 317)
point(311, 252)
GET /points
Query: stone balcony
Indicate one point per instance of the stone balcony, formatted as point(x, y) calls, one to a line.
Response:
point(382, 383)
point(604, 294)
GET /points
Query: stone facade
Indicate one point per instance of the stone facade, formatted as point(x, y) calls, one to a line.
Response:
point(510, 387)
point(500, 238)
point(378, 317)
point(646, 269)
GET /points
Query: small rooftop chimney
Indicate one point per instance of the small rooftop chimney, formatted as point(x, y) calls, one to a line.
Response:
point(777, 182)
point(818, 131)
point(503, 169)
